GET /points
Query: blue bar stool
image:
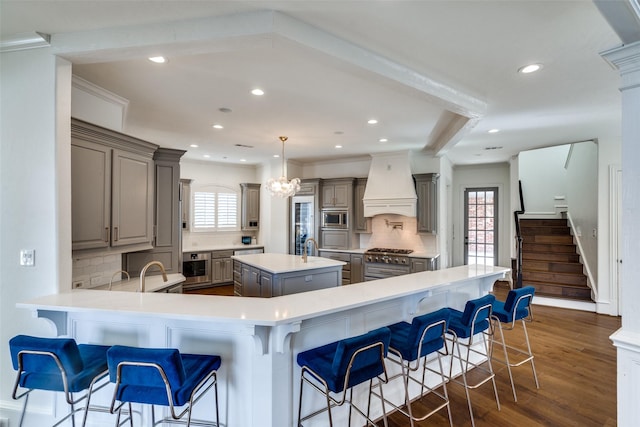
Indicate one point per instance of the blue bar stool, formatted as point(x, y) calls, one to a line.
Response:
point(58, 364)
point(464, 326)
point(413, 342)
point(162, 376)
point(335, 368)
point(517, 306)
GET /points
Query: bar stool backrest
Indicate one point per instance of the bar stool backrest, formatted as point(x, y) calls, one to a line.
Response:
point(477, 312)
point(366, 363)
point(34, 359)
point(522, 297)
point(427, 332)
point(168, 359)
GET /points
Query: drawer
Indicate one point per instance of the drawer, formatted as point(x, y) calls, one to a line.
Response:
point(338, 256)
point(221, 254)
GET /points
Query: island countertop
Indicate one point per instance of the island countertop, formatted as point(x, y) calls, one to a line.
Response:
point(152, 283)
point(284, 263)
point(260, 311)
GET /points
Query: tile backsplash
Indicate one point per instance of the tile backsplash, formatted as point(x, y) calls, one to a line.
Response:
point(399, 232)
point(94, 270)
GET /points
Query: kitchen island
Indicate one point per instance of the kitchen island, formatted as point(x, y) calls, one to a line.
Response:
point(274, 275)
point(258, 338)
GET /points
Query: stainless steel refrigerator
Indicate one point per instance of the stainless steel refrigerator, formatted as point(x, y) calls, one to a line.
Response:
point(303, 222)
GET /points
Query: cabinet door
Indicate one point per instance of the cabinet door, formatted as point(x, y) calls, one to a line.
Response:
point(328, 196)
point(427, 212)
point(132, 199)
point(341, 195)
point(90, 195)
point(357, 268)
point(335, 239)
point(250, 281)
point(361, 223)
point(167, 205)
point(250, 214)
point(266, 285)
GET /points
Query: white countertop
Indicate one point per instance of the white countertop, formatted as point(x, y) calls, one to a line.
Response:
point(284, 263)
point(210, 248)
point(151, 283)
point(259, 311)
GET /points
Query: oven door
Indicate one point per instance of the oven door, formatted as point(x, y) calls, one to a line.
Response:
point(375, 271)
point(196, 268)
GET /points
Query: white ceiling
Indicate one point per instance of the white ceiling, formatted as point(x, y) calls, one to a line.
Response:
point(436, 74)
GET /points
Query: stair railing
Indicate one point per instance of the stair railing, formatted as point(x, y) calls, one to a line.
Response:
point(516, 217)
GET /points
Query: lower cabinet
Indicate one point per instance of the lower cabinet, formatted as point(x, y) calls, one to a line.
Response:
point(353, 270)
point(221, 267)
point(423, 264)
point(250, 281)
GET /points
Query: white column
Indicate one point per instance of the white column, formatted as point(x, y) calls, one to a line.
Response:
point(627, 338)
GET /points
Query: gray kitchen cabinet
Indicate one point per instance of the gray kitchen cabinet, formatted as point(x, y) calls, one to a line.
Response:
point(250, 209)
point(221, 267)
point(357, 268)
point(337, 193)
point(309, 187)
point(427, 204)
point(361, 224)
point(185, 205)
point(254, 282)
point(340, 256)
point(112, 183)
point(167, 242)
point(423, 264)
point(335, 239)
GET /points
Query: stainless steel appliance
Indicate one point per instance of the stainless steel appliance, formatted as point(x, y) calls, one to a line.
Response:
point(302, 222)
point(381, 263)
point(196, 268)
point(332, 218)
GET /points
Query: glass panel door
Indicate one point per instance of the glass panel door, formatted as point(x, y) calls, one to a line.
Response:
point(481, 226)
point(302, 222)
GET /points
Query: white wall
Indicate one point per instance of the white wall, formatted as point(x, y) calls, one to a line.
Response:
point(543, 178)
point(35, 199)
point(488, 175)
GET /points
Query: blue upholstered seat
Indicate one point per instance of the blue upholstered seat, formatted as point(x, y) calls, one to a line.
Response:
point(507, 311)
point(52, 363)
point(343, 364)
point(461, 322)
point(405, 337)
point(140, 375)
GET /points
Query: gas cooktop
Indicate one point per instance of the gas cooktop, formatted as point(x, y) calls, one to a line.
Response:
point(388, 251)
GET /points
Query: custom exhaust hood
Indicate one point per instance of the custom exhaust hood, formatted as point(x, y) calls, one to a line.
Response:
point(390, 188)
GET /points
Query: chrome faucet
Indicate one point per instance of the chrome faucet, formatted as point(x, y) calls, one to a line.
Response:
point(304, 249)
point(143, 273)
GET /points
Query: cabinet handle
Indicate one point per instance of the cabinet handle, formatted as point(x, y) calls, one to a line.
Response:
point(106, 234)
point(115, 238)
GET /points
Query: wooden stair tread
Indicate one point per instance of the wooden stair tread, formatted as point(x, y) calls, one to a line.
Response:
point(559, 291)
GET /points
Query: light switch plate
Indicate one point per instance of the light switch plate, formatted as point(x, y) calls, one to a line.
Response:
point(28, 257)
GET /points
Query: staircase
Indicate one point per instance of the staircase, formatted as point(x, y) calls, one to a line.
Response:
point(550, 262)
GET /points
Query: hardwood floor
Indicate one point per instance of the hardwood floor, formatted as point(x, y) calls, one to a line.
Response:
point(576, 366)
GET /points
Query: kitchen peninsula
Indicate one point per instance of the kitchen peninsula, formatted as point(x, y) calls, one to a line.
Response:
point(273, 275)
point(259, 338)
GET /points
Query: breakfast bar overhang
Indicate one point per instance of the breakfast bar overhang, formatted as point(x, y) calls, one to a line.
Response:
point(259, 338)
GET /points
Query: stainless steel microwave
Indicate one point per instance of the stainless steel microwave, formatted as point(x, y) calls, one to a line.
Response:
point(335, 219)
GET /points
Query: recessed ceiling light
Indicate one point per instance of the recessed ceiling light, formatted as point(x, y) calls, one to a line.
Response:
point(276, 155)
point(257, 92)
point(383, 140)
point(372, 121)
point(531, 68)
point(243, 160)
point(194, 146)
point(216, 126)
point(338, 146)
point(493, 130)
point(206, 156)
point(158, 59)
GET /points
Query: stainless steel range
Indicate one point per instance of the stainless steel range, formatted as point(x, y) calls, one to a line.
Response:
point(380, 263)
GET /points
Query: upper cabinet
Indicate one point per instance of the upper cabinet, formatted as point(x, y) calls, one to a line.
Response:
point(337, 193)
point(427, 208)
point(112, 188)
point(250, 213)
point(361, 223)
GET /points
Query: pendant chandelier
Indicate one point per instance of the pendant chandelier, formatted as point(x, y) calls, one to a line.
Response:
point(282, 187)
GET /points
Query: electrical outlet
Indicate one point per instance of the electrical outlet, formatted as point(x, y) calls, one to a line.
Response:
point(28, 257)
point(77, 284)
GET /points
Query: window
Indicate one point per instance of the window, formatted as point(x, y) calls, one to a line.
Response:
point(215, 209)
